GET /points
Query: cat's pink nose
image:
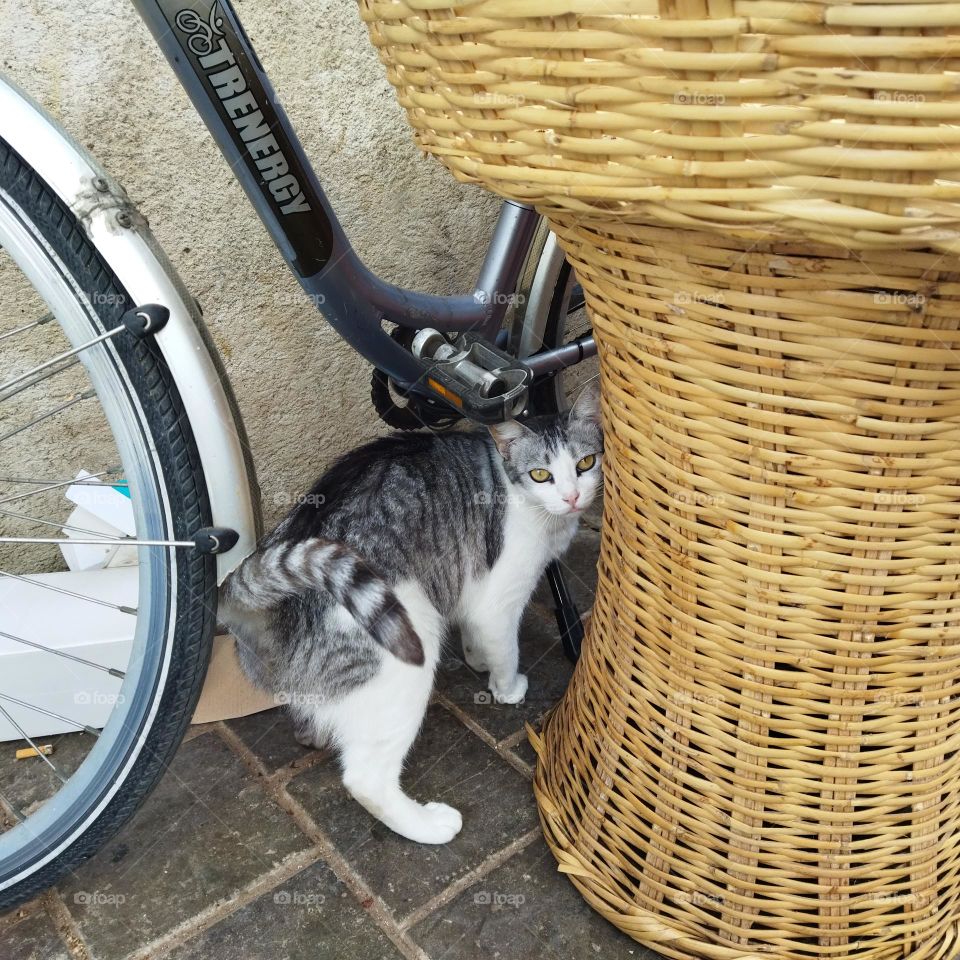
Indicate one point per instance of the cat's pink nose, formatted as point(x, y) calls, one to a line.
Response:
point(572, 499)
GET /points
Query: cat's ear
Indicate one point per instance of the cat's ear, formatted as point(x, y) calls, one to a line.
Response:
point(587, 405)
point(506, 434)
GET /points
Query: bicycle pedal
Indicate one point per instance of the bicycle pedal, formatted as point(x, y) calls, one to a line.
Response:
point(473, 375)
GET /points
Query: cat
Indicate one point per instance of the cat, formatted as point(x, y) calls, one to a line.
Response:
point(342, 610)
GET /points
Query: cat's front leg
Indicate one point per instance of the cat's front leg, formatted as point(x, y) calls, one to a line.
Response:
point(493, 639)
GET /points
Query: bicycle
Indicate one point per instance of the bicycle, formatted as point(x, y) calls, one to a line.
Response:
point(114, 324)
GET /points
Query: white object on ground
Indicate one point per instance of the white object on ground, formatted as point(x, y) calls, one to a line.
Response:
point(94, 632)
point(93, 556)
point(100, 510)
point(104, 502)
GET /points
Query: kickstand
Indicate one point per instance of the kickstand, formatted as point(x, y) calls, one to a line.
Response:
point(568, 616)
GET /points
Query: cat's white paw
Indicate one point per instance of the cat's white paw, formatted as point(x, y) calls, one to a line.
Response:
point(474, 659)
point(512, 692)
point(436, 823)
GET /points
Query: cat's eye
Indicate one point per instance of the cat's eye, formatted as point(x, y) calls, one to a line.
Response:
point(539, 475)
point(586, 463)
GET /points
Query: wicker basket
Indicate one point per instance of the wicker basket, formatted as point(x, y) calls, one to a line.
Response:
point(762, 118)
point(758, 753)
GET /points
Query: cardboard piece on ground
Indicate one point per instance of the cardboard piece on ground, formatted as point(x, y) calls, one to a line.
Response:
point(227, 693)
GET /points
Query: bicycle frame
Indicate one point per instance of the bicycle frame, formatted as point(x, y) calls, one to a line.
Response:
point(214, 60)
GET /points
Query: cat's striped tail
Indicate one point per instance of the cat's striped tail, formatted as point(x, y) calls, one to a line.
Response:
point(286, 569)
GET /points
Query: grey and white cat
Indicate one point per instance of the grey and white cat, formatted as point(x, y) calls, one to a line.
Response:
point(342, 610)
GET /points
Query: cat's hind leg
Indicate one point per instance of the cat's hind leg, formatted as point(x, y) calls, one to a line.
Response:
point(472, 649)
point(306, 732)
point(376, 724)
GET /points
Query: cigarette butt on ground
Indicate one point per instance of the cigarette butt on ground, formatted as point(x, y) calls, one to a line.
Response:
point(27, 752)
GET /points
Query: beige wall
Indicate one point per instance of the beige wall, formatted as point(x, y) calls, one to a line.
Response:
point(304, 396)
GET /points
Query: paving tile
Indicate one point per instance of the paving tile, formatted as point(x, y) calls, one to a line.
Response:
point(206, 831)
point(269, 736)
point(541, 658)
point(27, 783)
point(523, 909)
point(311, 916)
point(32, 937)
point(448, 764)
point(525, 752)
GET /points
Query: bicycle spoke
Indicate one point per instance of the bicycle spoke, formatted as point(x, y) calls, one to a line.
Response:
point(127, 541)
point(27, 326)
point(86, 728)
point(62, 526)
point(113, 671)
point(62, 483)
point(66, 355)
point(86, 483)
point(69, 593)
point(39, 752)
point(40, 379)
point(77, 398)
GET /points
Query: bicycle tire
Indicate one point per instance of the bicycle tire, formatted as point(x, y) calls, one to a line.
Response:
point(190, 617)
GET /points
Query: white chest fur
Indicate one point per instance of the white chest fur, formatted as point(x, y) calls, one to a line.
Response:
point(531, 539)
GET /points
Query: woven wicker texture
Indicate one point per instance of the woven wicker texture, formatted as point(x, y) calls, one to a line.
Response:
point(758, 752)
point(836, 121)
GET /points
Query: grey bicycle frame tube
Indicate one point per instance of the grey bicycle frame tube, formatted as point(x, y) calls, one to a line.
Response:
point(215, 62)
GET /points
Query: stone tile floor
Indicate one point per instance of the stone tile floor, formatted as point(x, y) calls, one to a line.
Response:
point(251, 849)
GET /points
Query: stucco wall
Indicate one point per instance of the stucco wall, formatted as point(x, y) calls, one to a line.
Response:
point(304, 396)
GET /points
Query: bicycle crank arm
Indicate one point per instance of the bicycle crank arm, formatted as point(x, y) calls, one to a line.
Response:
point(477, 378)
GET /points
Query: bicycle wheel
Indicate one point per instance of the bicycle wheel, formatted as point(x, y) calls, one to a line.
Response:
point(550, 313)
point(107, 675)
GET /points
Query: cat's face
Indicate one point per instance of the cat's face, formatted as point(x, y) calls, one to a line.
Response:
point(556, 460)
